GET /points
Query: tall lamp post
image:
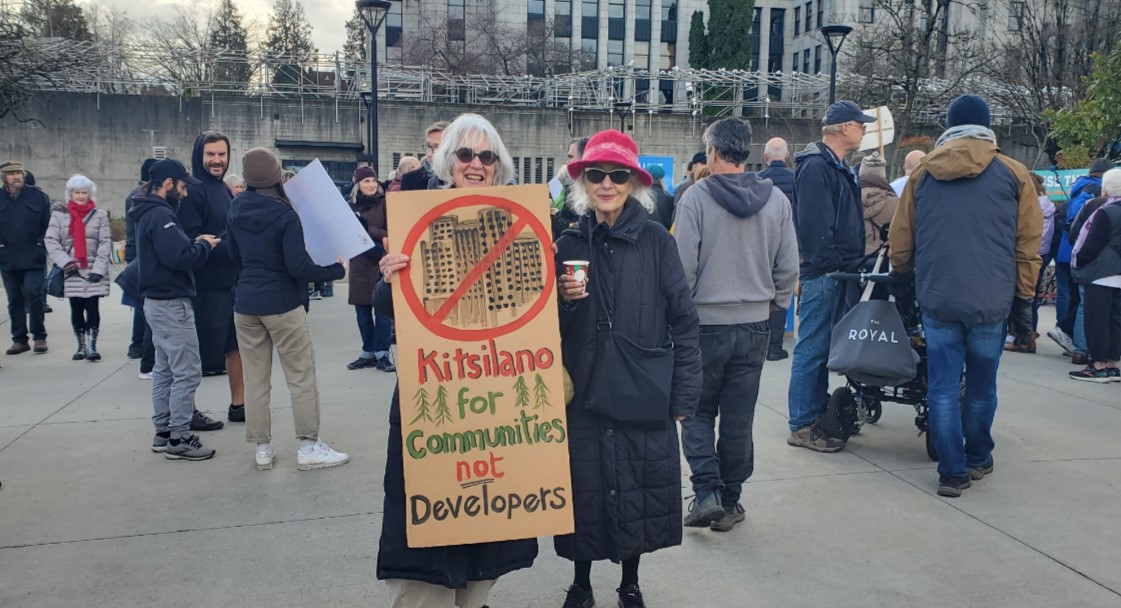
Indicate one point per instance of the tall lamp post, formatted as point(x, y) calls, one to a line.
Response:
point(373, 13)
point(834, 36)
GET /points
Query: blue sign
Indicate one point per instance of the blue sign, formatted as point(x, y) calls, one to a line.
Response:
point(1059, 182)
point(666, 162)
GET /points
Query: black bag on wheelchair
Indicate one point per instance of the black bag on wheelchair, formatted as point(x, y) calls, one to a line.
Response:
point(871, 346)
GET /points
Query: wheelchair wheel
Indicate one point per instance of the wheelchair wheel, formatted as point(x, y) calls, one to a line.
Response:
point(874, 408)
point(930, 451)
point(840, 419)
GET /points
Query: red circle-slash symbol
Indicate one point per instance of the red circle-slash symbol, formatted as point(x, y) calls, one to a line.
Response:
point(521, 217)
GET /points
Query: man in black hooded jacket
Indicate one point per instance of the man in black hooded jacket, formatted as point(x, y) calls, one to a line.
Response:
point(204, 212)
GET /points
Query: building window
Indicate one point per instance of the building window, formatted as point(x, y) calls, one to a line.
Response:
point(642, 55)
point(820, 13)
point(867, 12)
point(589, 19)
point(809, 17)
point(1016, 16)
point(668, 56)
point(806, 61)
point(456, 28)
point(669, 21)
point(797, 21)
point(776, 48)
point(393, 25)
point(794, 63)
point(756, 42)
point(817, 59)
point(589, 53)
point(616, 20)
point(614, 53)
point(562, 24)
point(642, 20)
point(665, 92)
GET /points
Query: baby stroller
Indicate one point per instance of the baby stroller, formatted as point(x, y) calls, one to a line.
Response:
point(880, 348)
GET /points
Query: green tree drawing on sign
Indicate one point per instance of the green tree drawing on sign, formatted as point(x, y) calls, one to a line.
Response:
point(540, 394)
point(420, 399)
point(522, 393)
point(443, 414)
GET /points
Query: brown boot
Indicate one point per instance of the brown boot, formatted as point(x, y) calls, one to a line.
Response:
point(18, 348)
point(812, 438)
point(40, 347)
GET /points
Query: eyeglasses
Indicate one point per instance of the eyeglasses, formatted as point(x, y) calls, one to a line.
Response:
point(466, 155)
point(863, 127)
point(618, 176)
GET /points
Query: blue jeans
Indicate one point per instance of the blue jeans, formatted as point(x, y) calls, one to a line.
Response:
point(1079, 335)
point(1063, 286)
point(375, 331)
point(819, 308)
point(952, 347)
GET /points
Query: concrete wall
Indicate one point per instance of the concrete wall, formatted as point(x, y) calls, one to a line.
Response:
point(106, 137)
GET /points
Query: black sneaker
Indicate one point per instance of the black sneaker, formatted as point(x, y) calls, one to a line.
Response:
point(951, 486)
point(578, 598)
point(1091, 374)
point(1114, 374)
point(328, 291)
point(134, 352)
point(236, 413)
point(201, 422)
point(777, 355)
point(315, 295)
point(704, 511)
point(976, 473)
point(187, 448)
point(385, 365)
point(361, 363)
point(732, 516)
point(630, 597)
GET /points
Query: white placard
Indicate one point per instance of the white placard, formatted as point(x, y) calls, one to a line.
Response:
point(331, 229)
point(879, 133)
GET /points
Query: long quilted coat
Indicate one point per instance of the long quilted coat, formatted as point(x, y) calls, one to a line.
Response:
point(626, 480)
point(99, 248)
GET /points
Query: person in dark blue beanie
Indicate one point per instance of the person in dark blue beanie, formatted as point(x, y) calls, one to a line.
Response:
point(968, 110)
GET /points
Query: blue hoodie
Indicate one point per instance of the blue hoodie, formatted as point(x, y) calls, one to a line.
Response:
point(204, 211)
point(266, 242)
point(166, 257)
point(1085, 188)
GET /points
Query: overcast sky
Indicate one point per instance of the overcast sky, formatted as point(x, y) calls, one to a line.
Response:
point(328, 17)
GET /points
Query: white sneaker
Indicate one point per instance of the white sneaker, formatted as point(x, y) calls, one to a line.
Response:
point(1062, 339)
point(144, 376)
point(320, 456)
point(265, 456)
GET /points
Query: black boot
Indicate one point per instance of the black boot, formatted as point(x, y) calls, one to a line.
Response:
point(91, 352)
point(81, 352)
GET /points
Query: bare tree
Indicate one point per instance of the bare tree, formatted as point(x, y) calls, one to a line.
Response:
point(29, 63)
point(113, 32)
point(910, 56)
point(181, 44)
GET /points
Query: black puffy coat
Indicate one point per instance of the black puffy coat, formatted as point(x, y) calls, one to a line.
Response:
point(626, 481)
point(452, 566)
point(23, 224)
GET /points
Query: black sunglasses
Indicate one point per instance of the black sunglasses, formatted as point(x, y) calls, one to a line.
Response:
point(619, 176)
point(466, 155)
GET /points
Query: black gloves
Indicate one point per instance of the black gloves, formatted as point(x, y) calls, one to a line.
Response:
point(95, 278)
point(1019, 322)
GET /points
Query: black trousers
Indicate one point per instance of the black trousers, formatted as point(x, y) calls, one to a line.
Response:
point(85, 314)
point(25, 290)
point(778, 330)
point(214, 322)
point(1102, 317)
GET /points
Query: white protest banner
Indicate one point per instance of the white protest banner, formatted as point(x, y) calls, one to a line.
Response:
point(331, 229)
point(879, 133)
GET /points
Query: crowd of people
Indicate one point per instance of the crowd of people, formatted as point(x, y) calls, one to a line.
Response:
point(702, 279)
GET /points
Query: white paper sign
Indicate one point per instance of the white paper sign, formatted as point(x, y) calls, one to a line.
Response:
point(881, 132)
point(331, 229)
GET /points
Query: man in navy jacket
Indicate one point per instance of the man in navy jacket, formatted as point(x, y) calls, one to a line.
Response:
point(775, 154)
point(166, 260)
point(25, 212)
point(830, 223)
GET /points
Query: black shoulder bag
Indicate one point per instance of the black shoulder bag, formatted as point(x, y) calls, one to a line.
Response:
point(630, 383)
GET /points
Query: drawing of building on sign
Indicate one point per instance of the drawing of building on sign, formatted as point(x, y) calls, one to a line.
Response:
point(456, 246)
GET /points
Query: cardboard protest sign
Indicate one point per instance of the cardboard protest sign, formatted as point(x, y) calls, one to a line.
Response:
point(479, 366)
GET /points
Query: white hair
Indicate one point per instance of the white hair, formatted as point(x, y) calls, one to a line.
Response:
point(232, 179)
point(80, 182)
point(581, 201)
point(776, 150)
point(443, 160)
point(1111, 182)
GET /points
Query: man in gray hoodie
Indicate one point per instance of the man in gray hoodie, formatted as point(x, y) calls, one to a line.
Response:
point(735, 234)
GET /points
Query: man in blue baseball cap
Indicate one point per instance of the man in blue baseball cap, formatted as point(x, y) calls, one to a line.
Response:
point(830, 224)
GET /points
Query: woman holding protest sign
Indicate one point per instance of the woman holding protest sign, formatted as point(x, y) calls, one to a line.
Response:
point(633, 309)
point(471, 155)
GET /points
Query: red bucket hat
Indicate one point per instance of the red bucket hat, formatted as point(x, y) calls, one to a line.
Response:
point(610, 147)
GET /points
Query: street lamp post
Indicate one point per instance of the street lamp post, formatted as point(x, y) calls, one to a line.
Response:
point(834, 36)
point(373, 13)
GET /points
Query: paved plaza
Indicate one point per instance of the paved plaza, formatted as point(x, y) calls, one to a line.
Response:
point(90, 517)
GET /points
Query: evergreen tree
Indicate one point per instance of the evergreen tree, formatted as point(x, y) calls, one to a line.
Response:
point(228, 43)
point(729, 22)
point(288, 41)
point(355, 50)
point(521, 392)
point(443, 414)
point(420, 399)
point(56, 19)
point(540, 394)
point(698, 42)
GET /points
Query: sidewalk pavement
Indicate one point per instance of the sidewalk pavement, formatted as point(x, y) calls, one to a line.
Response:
point(90, 517)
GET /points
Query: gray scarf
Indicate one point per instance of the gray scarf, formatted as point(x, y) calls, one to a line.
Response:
point(966, 132)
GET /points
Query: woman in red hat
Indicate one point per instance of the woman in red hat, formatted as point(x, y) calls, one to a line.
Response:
point(625, 456)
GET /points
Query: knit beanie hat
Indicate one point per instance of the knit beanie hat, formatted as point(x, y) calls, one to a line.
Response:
point(261, 169)
point(655, 171)
point(873, 165)
point(364, 173)
point(968, 110)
